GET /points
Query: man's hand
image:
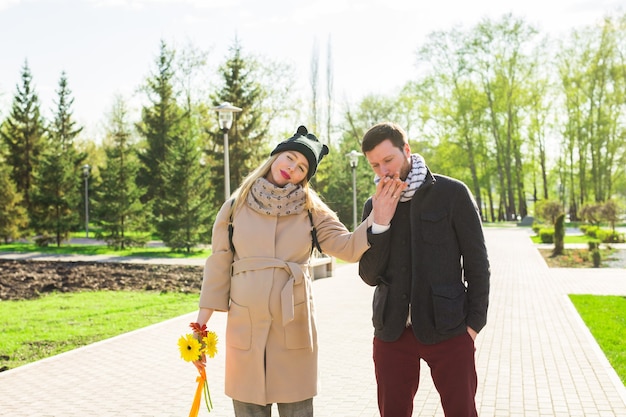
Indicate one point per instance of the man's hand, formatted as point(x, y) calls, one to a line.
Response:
point(386, 198)
point(472, 332)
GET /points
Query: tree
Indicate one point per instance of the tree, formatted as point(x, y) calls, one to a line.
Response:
point(119, 210)
point(160, 126)
point(57, 195)
point(13, 217)
point(23, 132)
point(187, 211)
point(262, 90)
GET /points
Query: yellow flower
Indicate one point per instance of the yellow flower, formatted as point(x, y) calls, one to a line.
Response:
point(189, 348)
point(210, 344)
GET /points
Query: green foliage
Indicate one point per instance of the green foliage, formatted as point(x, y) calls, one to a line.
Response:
point(13, 217)
point(23, 132)
point(609, 236)
point(247, 139)
point(548, 210)
point(58, 179)
point(546, 235)
point(118, 207)
point(186, 211)
point(591, 213)
point(159, 127)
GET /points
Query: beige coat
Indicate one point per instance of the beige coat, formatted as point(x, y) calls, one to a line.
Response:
point(271, 338)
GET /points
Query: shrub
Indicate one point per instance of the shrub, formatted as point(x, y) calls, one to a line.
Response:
point(592, 231)
point(546, 235)
point(609, 236)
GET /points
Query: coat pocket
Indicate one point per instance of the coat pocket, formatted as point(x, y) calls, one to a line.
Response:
point(239, 327)
point(298, 332)
point(434, 226)
point(449, 305)
point(379, 302)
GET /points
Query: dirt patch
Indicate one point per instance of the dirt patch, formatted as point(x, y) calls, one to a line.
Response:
point(24, 280)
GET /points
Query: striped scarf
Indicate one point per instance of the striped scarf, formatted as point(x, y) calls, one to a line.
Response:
point(415, 179)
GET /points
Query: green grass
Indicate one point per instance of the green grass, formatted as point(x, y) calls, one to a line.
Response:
point(568, 239)
point(148, 252)
point(605, 316)
point(58, 322)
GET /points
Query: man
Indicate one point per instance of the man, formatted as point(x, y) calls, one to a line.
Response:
point(429, 264)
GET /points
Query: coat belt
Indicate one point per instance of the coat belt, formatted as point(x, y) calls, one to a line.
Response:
point(296, 276)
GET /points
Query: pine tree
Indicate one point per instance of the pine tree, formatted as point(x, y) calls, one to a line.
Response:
point(159, 126)
point(249, 131)
point(186, 210)
point(13, 216)
point(57, 197)
point(117, 198)
point(23, 133)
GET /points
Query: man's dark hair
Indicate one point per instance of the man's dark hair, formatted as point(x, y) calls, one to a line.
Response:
point(381, 132)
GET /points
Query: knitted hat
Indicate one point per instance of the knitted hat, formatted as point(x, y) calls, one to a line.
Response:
point(307, 144)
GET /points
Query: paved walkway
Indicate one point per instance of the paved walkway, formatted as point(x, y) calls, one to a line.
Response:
point(534, 358)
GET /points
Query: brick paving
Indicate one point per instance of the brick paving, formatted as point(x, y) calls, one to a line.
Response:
point(535, 357)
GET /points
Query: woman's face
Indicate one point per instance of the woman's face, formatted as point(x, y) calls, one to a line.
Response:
point(289, 167)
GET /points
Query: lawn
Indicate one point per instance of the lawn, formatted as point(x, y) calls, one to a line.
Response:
point(605, 316)
point(74, 249)
point(58, 322)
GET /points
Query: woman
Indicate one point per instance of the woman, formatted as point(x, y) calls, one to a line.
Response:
point(258, 271)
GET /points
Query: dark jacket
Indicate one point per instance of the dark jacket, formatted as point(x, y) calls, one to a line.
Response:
point(434, 257)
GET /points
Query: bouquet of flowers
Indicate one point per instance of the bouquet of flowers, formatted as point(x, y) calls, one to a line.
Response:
point(193, 347)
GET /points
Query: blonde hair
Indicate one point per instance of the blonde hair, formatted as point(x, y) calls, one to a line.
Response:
point(313, 202)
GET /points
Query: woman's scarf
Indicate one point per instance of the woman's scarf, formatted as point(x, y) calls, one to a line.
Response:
point(267, 198)
point(415, 179)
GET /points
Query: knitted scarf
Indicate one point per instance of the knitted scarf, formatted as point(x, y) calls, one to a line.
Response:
point(415, 179)
point(266, 198)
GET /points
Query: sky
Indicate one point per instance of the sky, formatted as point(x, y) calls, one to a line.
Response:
point(108, 47)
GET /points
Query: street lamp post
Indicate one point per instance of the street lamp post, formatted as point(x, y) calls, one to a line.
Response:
point(353, 157)
point(225, 114)
point(86, 169)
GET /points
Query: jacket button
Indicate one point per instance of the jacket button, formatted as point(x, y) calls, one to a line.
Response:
point(404, 296)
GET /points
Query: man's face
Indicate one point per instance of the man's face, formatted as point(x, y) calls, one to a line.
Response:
point(386, 160)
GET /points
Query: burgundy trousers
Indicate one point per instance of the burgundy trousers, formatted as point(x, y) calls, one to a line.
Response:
point(452, 367)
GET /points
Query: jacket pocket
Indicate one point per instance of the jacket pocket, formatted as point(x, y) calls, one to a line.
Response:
point(379, 302)
point(298, 332)
point(239, 327)
point(449, 305)
point(434, 226)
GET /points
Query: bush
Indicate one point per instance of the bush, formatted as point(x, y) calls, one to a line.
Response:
point(546, 235)
point(609, 236)
point(537, 227)
point(592, 231)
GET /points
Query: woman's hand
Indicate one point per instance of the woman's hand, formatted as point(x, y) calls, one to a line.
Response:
point(386, 198)
point(200, 364)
